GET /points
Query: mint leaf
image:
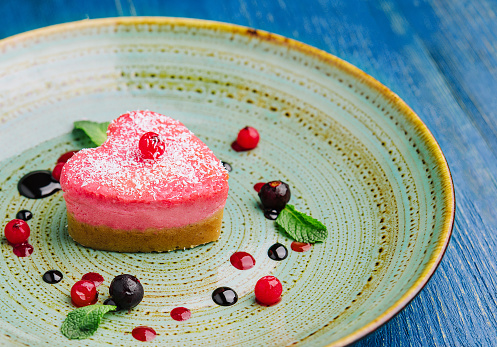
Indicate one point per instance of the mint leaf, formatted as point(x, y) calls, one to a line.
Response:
point(97, 132)
point(84, 321)
point(301, 227)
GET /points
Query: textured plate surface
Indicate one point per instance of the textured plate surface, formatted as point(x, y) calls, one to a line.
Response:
point(357, 158)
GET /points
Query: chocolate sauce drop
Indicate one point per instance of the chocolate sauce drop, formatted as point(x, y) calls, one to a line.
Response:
point(277, 252)
point(25, 215)
point(52, 276)
point(227, 166)
point(224, 296)
point(37, 185)
point(271, 214)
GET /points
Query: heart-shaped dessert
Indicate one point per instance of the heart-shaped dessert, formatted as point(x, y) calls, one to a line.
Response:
point(152, 186)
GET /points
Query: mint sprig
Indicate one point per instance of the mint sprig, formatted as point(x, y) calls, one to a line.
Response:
point(96, 132)
point(84, 321)
point(301, 227)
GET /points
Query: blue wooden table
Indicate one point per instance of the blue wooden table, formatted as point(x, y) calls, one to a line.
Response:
point(440, 56)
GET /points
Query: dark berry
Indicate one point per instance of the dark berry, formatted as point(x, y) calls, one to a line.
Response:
point(66, 156)
point(277, 252)
point(52, 276)
point(151, 146)
point(84, 293)
point(268, 290)
point(17, 231)
point(126, 291)
point(25, 215)
point(271, 214)
point(274, 195)
point(57, 171)
point(224, 296)
point(248, 138)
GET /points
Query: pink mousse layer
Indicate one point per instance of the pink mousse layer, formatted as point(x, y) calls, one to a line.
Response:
point(113, 185)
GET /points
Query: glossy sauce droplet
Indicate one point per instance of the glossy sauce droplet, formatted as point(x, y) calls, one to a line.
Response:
point(224, 296)
point(237, 148)
point(227, 166)
point(271, 214)
point(277, 252)
point(181, 314)
point(242, 260)
point(25, 215)
point(258, 186)
point(301, 246)
point(66, 156)
point(23, 250)
point(144, 334)
point(52, 276)
point(37, 185)
point(94, 277)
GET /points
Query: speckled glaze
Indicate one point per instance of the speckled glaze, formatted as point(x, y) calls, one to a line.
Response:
point(357, 158)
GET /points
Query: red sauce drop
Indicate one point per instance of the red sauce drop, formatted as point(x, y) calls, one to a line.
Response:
point(300, 246)
point(258, 186)
point(66, 156)
point(143, 333)
point(237, 148)
point(94, 277)
point(23, 250)
point(242, 260)
point(181, 314)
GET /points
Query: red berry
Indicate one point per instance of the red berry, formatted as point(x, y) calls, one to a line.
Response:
point(268, 290)
point(17, 231)
point(66, 156)
point(57, 171)
point(248, 138)
point(151, 146)
point(84, 293)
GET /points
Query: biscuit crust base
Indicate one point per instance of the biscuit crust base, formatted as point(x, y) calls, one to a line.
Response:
point(149, 240)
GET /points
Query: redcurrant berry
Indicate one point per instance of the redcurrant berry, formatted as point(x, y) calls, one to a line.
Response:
point(84, 293)
point(268, 290)
point(151, 146)
point(57, 171)
point(17, 231)
point(248, 138)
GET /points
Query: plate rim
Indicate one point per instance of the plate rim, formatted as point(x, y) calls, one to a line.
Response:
point(354, 72)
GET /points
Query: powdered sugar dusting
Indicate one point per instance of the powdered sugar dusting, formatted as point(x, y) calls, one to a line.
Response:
point(116, 170)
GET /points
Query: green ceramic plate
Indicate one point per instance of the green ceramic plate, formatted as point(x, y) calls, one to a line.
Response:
point(356, 157)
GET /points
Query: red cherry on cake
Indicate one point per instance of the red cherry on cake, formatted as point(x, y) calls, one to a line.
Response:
point(268, 290)
point(17, 231)
point(248, 138)
point(84, 293)
point(151, 146)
